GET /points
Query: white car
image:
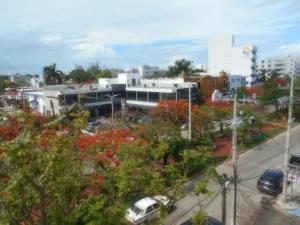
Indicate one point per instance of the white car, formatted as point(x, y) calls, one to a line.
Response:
point(146, 209)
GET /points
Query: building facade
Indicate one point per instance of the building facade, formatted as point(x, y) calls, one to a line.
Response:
point(207, 84)
point(93, 97)
point(148, 71)
point(223, 55)
point(149, 92)
point(285, 65)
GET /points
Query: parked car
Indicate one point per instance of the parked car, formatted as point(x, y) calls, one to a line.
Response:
point(271, 182)
point(294, 161)
point(210, 221)
point(146, 209)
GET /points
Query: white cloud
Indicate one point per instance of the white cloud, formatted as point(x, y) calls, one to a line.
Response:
point(92, 49)
point(51, 38)
point(136, 21)
point(291, 48)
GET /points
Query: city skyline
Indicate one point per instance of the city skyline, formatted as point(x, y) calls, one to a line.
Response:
point(125, 34)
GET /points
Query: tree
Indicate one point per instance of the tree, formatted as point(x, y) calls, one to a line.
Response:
point(202, 118)
point(199, 218)
point(104, 74)
point(221, 111)
point(79, 75)
point(6, 83)
point(193, 158)
point(94, 69)
point(175, 111)
point(179, 66)
point(51, 75)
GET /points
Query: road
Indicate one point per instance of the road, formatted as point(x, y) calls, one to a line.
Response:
point(250, 202)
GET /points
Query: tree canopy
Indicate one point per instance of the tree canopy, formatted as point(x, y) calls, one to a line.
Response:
point(180, 66)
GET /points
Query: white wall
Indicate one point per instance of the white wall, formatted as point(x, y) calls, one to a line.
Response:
point(236, 81)
point(285, 64)
point(234, 60)
point(129, 78)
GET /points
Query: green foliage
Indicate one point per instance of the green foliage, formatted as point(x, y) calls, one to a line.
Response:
point(192, 159)
point(52, 76)
point(39, 179)
point(104, 74)
point(79, 75)
point(199, 218)
point(179, 66)
point(5, 83)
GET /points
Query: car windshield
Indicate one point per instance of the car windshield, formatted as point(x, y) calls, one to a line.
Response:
point(272, 175)
point(295, 160)
point(136, 210)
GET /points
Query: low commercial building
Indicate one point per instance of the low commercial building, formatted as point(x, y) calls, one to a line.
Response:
point(149, 92)
point(94, 97)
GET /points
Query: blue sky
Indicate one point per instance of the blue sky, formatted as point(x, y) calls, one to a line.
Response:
point(127, 33)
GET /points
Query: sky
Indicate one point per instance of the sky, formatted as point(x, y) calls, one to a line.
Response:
point(129, 33)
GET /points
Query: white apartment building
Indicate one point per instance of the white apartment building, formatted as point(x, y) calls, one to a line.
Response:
point(283, 64)
point(223, 55)
point(147, 71)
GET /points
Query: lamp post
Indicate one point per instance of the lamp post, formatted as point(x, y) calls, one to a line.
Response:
point(112, 105)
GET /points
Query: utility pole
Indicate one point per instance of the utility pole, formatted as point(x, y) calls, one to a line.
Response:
point(234, 158)
point(224, 181)
point(190, 112)
point(288, 132)
point(112, 105)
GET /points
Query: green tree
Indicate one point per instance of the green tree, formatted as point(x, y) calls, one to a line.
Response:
point(79, 75)
point(179, 66)
point(199, 218)
point(51, 75)
point(5, 83)
point(202, 118)
point(94, 69)
point(104, 74)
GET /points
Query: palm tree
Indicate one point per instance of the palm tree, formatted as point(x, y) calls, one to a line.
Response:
point(51, 75)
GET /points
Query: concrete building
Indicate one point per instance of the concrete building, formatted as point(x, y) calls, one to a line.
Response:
point(236, 82)
point(223, 55)
point(35, 100)
point(56, 97)
point(285, 65)
point(146, 93)
point(148, 71)
point(207, 84)
point(149, 92)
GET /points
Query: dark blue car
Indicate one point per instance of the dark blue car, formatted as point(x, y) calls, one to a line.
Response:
point(210, 221)
point(271, 182)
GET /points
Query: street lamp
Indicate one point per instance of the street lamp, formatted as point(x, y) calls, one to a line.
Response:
point(112, 105)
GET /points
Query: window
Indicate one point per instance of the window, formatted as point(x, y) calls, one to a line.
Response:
point(156, 205)
point(149, 209)
point(232, 80)
point(238, 80)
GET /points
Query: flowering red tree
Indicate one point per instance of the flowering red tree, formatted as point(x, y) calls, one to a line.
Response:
point(108, 143)
point(258, 91)
point(173, 110)
point(10, 130)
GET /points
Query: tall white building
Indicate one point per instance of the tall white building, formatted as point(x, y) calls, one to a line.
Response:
point(283, 64)
point(223, 55)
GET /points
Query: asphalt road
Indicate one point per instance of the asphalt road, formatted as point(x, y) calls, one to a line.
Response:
point(253, 207)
